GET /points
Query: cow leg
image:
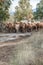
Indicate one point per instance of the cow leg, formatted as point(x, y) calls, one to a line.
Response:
point(14, 30)
point(35, 27)
point(21, 29)
point(24, 30)
point(27, 29)
point(31, 30)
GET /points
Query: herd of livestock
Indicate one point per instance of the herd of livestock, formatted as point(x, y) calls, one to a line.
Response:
point(20, 27)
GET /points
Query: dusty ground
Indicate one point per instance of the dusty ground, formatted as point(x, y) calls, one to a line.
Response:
point(5, 37)
point(28, 51)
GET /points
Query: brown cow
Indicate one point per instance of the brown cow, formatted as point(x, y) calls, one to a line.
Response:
point(10, 27)
point(41, 25)
point(17, 25)
point(22, 27)
point(38, 26)
point(31, 26)
point(7, 27)
point(34, 27)
point(14, 28)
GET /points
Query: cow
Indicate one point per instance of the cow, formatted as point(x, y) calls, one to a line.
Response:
point(31, 26)
point(9, 27)
point(17, 25)
point(34, 27)
point(39, 25)
point(22, 27)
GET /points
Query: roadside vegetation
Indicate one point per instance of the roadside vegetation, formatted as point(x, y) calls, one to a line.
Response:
point(29, 51)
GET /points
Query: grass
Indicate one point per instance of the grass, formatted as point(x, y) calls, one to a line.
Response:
point(28, 52)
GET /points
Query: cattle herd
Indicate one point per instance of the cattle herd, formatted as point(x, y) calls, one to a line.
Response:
point(20, 27)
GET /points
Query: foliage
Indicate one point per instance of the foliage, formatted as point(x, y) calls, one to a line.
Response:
point(4, 7)
point(23, 11)
point(39, 11)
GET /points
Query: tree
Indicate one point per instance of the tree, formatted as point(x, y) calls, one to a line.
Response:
point(39, 10)
point(23, 11)
point(4, 7)
point(4, 14)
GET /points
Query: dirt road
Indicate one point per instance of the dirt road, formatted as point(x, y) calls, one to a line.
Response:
point(12, 36)
point(28, 51)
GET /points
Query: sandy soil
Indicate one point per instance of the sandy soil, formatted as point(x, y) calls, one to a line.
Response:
point(27, 51)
